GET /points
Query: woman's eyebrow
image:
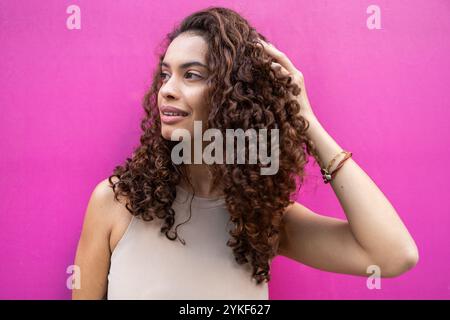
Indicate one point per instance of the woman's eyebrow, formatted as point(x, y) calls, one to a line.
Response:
point(186, 65)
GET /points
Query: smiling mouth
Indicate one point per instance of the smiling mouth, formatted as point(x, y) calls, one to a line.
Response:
point(175, 114)
point(169, 117)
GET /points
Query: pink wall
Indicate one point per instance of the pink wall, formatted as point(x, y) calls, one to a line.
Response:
point(70, 111)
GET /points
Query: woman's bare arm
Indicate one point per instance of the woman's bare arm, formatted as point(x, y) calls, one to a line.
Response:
point(93, 252)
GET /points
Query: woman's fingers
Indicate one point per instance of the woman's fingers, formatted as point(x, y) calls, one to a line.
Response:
point(280, 57)
point(280, 70)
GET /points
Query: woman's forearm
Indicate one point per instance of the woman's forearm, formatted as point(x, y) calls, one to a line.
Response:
point(374, 222)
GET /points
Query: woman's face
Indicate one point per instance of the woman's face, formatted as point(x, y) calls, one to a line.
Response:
point(183, 77)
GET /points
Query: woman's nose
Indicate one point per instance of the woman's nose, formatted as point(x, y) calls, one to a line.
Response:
point(169, 88)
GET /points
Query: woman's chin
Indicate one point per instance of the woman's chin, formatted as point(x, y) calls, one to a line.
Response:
point(167, 132)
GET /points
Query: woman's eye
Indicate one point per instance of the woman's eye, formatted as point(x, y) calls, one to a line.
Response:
point(194, 74)
point(163, 74)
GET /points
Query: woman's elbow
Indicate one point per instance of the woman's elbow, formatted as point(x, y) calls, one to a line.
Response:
point(402, 263)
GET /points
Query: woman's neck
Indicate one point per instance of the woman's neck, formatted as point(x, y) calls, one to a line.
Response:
point(202, 181)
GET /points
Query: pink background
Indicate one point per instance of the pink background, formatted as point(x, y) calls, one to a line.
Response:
point(70, 111)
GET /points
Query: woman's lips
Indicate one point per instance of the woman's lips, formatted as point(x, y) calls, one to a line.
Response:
point(168, 119)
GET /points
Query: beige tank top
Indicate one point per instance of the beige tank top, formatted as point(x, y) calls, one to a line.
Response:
point(147, 265)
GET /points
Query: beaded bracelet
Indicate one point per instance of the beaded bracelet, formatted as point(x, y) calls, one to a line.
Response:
point(327, 176)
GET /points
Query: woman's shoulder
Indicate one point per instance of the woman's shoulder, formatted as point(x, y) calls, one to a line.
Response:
point(114, 214)
point(103, 194)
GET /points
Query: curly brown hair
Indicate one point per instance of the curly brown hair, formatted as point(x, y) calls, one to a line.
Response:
point(244, 92)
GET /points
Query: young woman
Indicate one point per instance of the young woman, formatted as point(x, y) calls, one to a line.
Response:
point(229, 219)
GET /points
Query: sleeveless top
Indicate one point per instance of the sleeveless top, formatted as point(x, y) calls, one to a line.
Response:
point(147, 265)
